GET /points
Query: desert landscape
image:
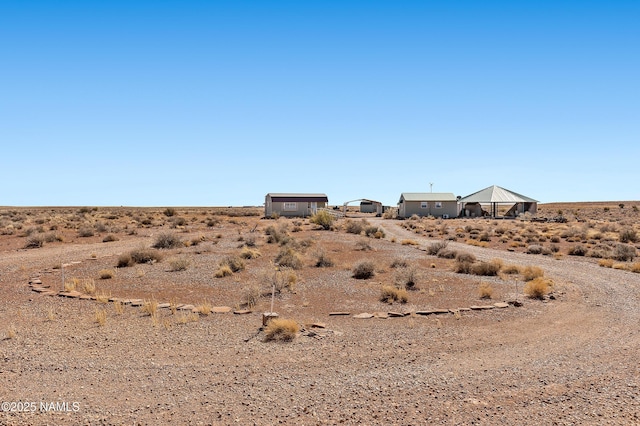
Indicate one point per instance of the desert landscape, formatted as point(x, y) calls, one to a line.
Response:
point(125, 315)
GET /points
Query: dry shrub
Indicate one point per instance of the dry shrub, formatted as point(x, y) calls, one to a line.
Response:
point(125, 260)
point(624, 252)
point(223, 271)
point(323, 260)
point(289, 258)
point(407, 278)
point(150, 307)
point(363, 245)
point(538, 287)
point(35, 241)
point(364, 270)
point(235, 263)
point(486, 269)
point(465, 257)
point(606, 263)
point(167, 240)
point(250, 296)
point(100, 317)
point(106, 274)
point(485, 290)
point(635, 267)
point(511, 270)
point(323, 218)
point(399, 263)
point(409, 243)
point(532, 272)
point(390, 294)
point(248, 253)
point(143, 255)
point(87, 286)
point(447, 254)
point(281, 330)
point(577, 250)
point(176, 265)
point(204, 308)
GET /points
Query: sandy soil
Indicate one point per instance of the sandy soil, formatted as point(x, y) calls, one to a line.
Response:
point(567, 360)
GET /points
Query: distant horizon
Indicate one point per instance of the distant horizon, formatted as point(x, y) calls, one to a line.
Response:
point(219, 103)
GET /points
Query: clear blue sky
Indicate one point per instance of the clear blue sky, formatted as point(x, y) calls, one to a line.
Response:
point(209, 103)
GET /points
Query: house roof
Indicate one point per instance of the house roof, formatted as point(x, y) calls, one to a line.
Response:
point(496, 194)
point(427, 196)
point(279, 197)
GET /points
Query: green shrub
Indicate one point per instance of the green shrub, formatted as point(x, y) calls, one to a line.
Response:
point(323, 218)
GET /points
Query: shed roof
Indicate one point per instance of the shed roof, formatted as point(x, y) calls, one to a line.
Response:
point(283, 197)
point(496, 194)
point(427, 196)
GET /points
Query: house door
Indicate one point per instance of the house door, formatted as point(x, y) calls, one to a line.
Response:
point(313, 207)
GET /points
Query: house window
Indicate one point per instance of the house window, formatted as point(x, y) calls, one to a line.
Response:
point(424, 205)
point(290, 206)
point(438, 205)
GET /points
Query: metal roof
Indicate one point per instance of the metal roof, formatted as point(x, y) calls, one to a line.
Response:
point(282, 196)
point(427, 196)
point(496, 194)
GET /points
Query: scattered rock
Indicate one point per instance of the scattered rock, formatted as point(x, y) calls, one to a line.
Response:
point(364, 315)
point(242, 311)
point(501, 305)
point(221, 309)
point(339, 313)
point(397, 314)
point(381, 315)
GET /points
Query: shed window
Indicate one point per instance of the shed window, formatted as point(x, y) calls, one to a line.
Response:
point(424, 205)
point(438, 205)
point(290, 206)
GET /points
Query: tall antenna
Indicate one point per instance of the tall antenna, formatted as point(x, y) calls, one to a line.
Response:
point(431, 186)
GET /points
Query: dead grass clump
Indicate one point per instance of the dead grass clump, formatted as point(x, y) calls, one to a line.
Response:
point(635, 267)
point(511, 269)
point(248, 253)
point(374, 232)
point(204, 308)
point(364, 270)
point(289, 258)
point(399, 263)
point(530, 273)
point(167, 240)
point(277, 236)
point(409, 242)
point(485, 290)
point(125, 260)
point(88, 286)
point(150, 307)
point(465, 257)
point(100, 317)
point(577, 250)
point(447, 254)
point(628, 235)
point(118, 307)
point(281, 330)
point(251, 296)
point(363, 245)
point(85, 232)
point(106, 274)
point(235, 263)
point(606, 263)
point(176, 265)
point(538, 288)
point(390, 294)
point(11, 332)
point(223, 271)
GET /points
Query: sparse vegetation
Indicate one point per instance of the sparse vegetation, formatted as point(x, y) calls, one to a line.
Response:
point(323, 219)
point(538, 288)
point(364, 270)
point(281, 330)
point(390, 294)
point(167, 240)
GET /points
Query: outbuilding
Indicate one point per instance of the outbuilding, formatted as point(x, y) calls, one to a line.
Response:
point(294, 204)
point(436, 204)
point(500, 202)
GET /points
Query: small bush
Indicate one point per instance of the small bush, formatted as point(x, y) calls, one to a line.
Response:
point(281, 330)
point(399, 263)
point(465, 257)
point(485, 291)
point(248, 253)
point(323, 260)
point(628, 235)
point(511, 270)
point(167, 240)
point(534, 249)
point(100, 317)
point(407, 278)
point(486, 269)
point(289, 258)
point(250, 296)
point(374, 231)
point(606, 263)
point(538, 288)
point(363, 245)
point(463, 267)
point(277, 236)
point(145, 256)
point(532, 272)
point(170, 211)
point(447, 254)
point(176, 265)
point(409, 242)
point(235, 263)
point(106, 274)
point(35, 241)
point(624, 252)
point(323, 218)
point(223, 271)
point(364, 270)
point(437, 247)
point(577, 250)
point(125, 260)
point(390, 294)
point(85, 232)
point(109, 238)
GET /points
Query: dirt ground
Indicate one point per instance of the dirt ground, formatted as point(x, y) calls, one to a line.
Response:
point(90, 336)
